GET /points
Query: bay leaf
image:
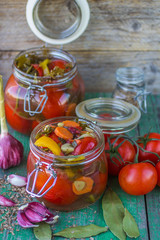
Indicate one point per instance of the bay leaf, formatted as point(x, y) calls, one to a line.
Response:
point(113, 212)
point(130, 225)
point(43, 232)
point(81, 231)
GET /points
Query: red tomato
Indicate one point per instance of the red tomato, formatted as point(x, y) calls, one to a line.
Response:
point(100, 182)
point(61, 193)
point(138, 178)
point(56, 104)
point(59, 63)
point(86, 145)
point(54, 137)
point(38, 69)
point(158, 172)
point(152, 146)
point(126, 151)
point(17, 122)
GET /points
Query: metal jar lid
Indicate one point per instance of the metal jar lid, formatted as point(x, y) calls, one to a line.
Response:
point(112, 115)
point(71, 19)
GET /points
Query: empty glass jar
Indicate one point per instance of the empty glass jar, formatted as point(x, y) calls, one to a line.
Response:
point(130, 86)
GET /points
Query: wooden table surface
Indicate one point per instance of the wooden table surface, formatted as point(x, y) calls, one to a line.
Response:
point(145, 209)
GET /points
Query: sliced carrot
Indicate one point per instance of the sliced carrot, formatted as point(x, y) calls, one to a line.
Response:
point(71, 109)
point(82, 185)
point(69, 123)
point(83, 132)
point(63, 133)
point(78, 141)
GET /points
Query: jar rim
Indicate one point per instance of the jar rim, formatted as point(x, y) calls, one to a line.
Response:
point(130, 75)
point(113, 116)
point(29, 79)
point(61, 160)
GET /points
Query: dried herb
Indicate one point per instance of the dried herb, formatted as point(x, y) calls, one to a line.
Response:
point(113, 212)
point(43, 232)
point(81, 231)
point(129, 225)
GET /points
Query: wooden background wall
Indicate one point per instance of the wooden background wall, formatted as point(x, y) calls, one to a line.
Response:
point(120, 33)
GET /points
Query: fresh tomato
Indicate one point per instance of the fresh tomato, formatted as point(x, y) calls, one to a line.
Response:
point(158, 172)
point(138, 178)
point(61, 193)
point(56, 103)
point(17, 122)
point(148, 144)
point(86, 145)
point(119, 155)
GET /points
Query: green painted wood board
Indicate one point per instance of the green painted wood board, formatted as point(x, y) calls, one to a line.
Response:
point(93, 214)
point(151, 122)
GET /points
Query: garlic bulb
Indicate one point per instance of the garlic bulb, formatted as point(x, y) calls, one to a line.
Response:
point(11, 150)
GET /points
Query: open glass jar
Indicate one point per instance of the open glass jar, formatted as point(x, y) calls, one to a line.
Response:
point(130, 87)
point(32, 98)
point(113, 116)
point(53, 178)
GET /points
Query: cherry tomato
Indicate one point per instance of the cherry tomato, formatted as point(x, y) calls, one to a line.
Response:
point(59, 63)
point(86, 145)
point(61, 193)
point(56, 103)
point(54, 137)
point(138, 178)
point(126, 151)
point(151, 145)
point(17, 122)
point(158, 172)
point(100, 182)
point(38, 69)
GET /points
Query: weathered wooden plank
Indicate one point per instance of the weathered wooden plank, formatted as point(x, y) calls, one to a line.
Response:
point(151, 121)
point(98, 68)
point(114, 25)
point(92, 214)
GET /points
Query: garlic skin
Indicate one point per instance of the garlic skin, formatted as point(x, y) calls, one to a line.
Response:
point(34, 212)
point(6, 202)
point(23, 220)
point(17, 180)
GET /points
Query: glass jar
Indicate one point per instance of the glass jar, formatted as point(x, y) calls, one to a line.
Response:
point(31, 99)
point(113, 116)
point(51, 178)
point(130, 86)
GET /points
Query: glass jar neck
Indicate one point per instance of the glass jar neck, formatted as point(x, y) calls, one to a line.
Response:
point(50, 53)
point(61, 161)
point(131, 79)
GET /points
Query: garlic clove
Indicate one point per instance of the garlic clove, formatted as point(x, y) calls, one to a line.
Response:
point(6, 202)
point(51, 218)
point(38, 207)
point(33, 216)
point(17, 180)
point(23, 221)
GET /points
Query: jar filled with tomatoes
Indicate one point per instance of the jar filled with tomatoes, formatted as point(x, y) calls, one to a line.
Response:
point(45, 83)
point(115, 117)
point(67, 167)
